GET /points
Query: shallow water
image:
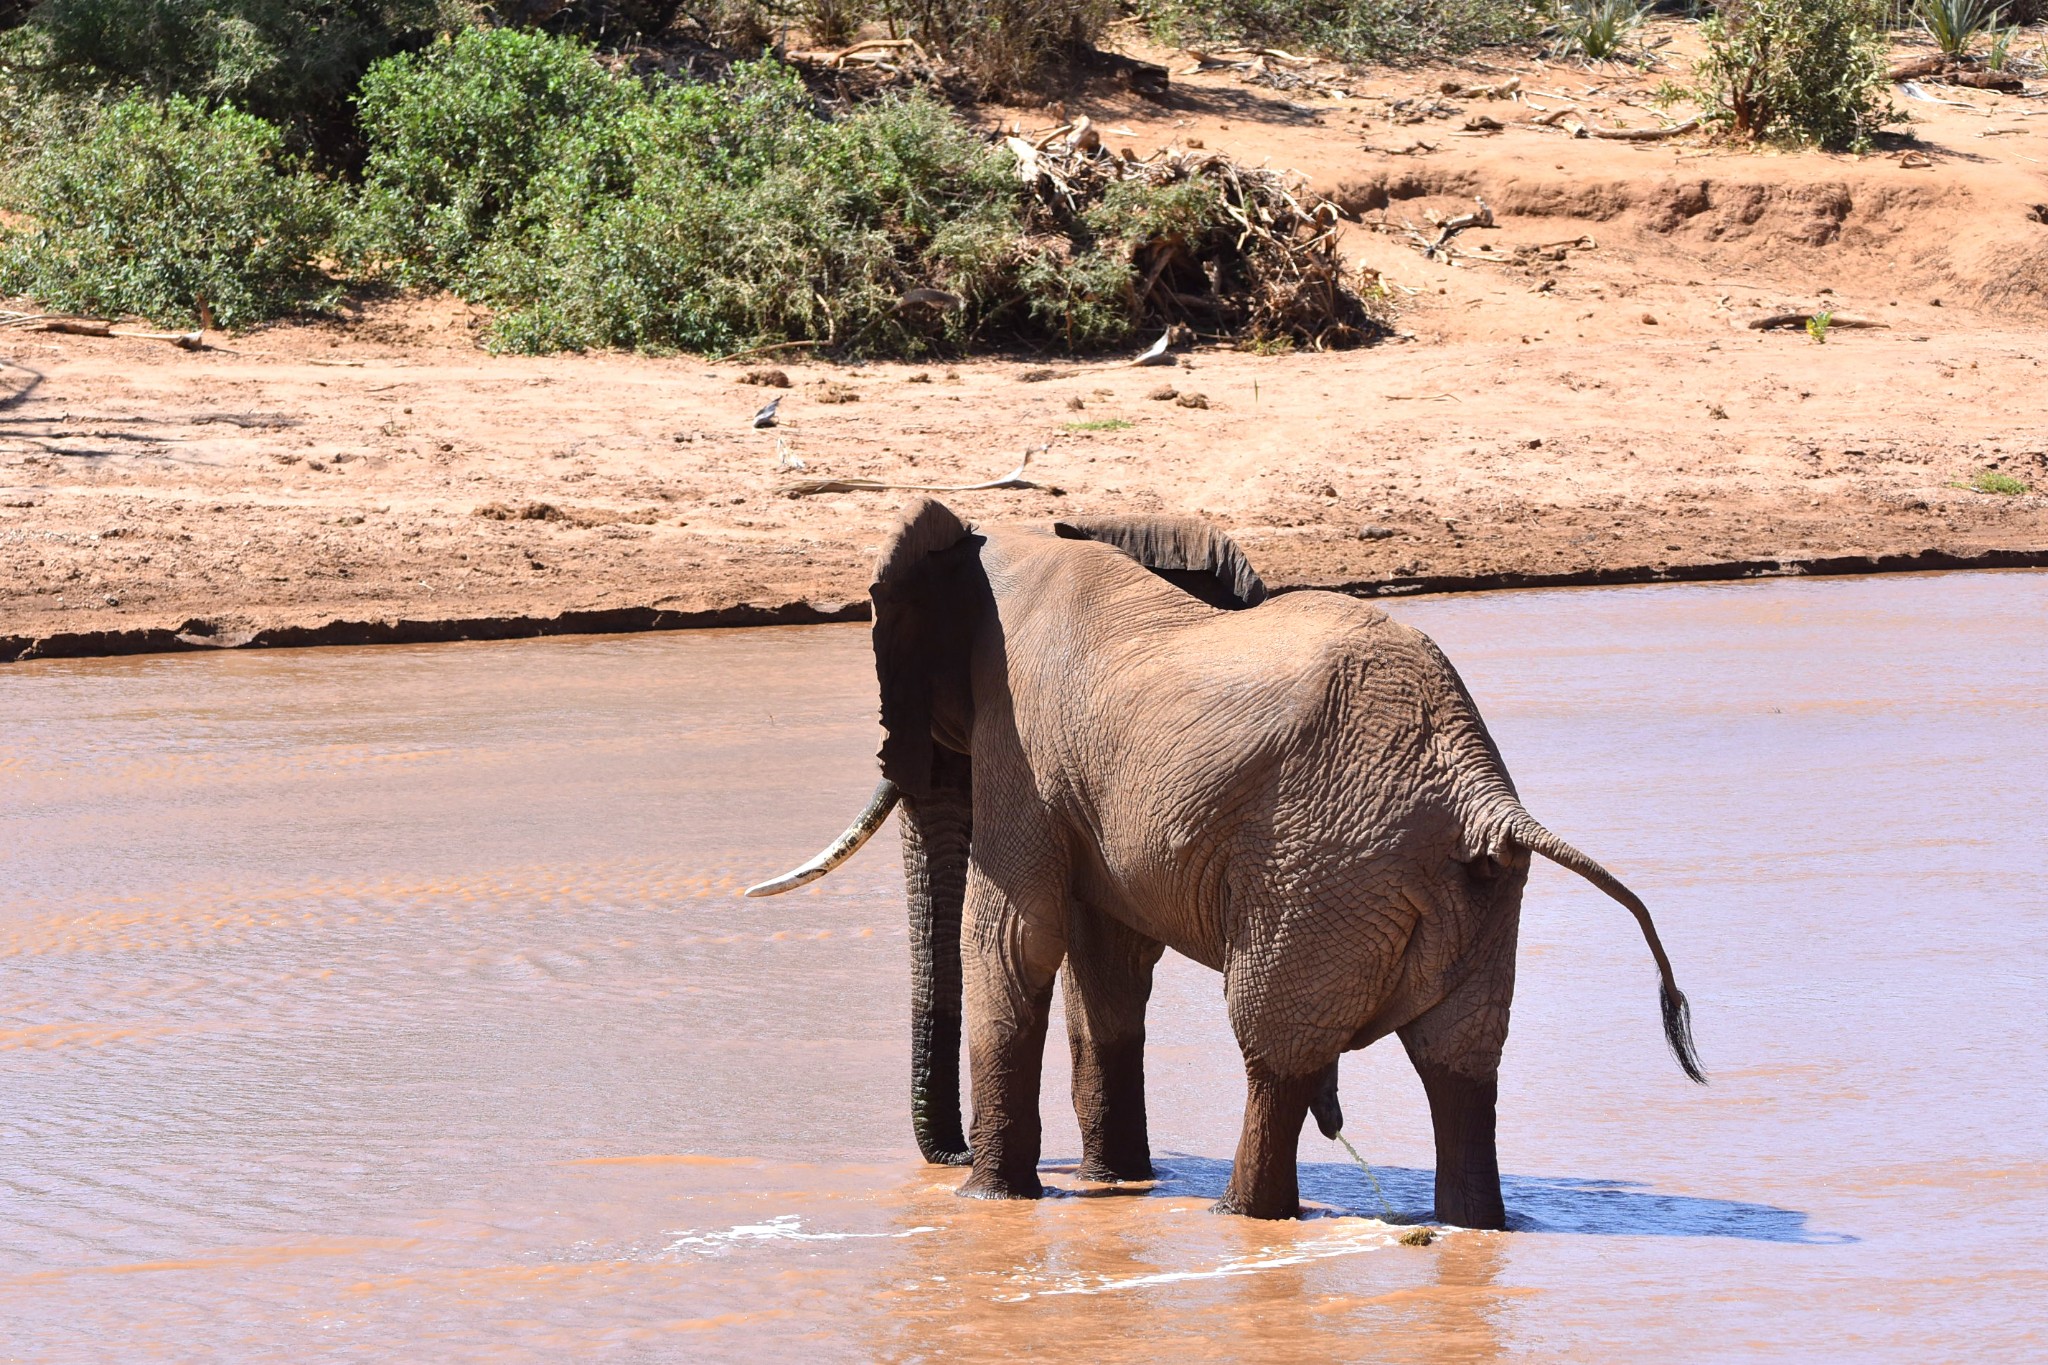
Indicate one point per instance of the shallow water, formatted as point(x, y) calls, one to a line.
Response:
point(396, 1004)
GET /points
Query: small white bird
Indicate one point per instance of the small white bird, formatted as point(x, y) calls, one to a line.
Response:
point(783, 459)
point(765, 418)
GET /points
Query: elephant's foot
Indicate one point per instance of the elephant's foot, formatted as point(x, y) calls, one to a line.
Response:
point(1112, 1171)
point(992, 1185)
point(1471, 1204)
point(1288, 1206)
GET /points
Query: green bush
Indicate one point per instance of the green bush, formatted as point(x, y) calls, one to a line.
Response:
point(591, 210)
point(1801, 71)
point(1349, 30)
point(294, 63)
point(158, 207)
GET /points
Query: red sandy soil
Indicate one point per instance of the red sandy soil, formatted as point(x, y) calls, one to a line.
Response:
point(1593, 411)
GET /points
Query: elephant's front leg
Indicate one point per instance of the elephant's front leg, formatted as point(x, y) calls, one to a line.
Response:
point(1109, 980)
point(1010, 950)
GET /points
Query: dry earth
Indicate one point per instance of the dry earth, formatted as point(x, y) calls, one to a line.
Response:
point(1596, 411)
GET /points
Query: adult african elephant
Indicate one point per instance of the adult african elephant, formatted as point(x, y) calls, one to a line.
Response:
point(1096, 758)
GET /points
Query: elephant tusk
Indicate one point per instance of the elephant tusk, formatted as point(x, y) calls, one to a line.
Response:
point(845, 846)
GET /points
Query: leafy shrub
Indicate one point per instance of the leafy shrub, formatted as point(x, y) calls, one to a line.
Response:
point(592, 210)
point(461, 133)
point(294, 63)
point(1349, 30)
point(1598, 28)
point(159, 207)
point(1809, 71)
point(1955, 24)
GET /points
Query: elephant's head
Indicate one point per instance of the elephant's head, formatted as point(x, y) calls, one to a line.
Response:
point(931, 601)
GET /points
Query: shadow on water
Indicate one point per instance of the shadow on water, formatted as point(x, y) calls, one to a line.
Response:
point(1536, 1203)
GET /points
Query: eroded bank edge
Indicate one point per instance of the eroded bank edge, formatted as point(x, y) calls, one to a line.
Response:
point(197, 636)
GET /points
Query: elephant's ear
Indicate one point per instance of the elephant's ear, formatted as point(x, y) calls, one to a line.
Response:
point(920, 633)
point(1186, 551)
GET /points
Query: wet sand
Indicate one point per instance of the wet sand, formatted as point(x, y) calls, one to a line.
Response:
point(396, 1004)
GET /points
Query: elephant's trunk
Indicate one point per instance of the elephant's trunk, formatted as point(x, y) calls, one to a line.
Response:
point(839, 850)
point(936, 833)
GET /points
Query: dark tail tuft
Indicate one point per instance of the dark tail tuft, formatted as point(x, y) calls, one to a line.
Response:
point(1678, 1031)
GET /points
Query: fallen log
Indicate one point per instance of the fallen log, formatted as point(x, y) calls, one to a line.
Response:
point(1642, 134)
point(1777, 320)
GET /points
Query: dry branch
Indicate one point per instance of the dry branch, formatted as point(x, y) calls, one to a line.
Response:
point(1014, 479)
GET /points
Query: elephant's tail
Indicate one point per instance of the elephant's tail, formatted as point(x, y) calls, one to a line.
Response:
point(1524, 830)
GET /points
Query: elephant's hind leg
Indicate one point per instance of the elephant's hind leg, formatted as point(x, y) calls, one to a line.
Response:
point(1456, 1047)
point(1263, 1182)
point(1109, 980)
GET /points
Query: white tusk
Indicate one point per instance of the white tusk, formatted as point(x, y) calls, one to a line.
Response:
point(845, 846)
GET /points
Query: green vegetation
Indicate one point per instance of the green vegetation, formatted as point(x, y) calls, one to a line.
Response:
point(1796, 71)
point(1817, 326)
point(1598, 28)
point(718, 216)
point(1347, 30)
point(1956, 24)
point(171, 211)
point(591, 208)
point(1100, 424)
point(1992, 481)
point(294, 63)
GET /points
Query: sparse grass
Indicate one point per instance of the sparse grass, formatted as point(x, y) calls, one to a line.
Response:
point(1100, 424)
point(1817, 326)
point(1993, 481)
point(1279, 345)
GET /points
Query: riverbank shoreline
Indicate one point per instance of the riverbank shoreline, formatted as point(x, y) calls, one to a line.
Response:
point(195, 637)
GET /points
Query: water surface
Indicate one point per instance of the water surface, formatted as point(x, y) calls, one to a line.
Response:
point(396, 1004)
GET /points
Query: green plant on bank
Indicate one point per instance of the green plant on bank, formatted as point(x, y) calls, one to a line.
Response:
point(170, 211)
point(1597, 29)
point(1269, 346)
point(1346, 30)
point(1955, 24)
point(1817, 326)
point(1999, 56)
point(1100, 424)
point(1796, 71)
point(1992, 481)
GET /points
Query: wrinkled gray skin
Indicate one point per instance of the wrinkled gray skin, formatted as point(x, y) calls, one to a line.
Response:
point(1095, 764)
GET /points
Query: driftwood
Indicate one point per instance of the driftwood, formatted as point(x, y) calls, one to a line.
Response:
point(1014, 479)
point(1951, 71)
point(1578, 127)
point(97, 327)
point(1449, 228)
point(1777, 320)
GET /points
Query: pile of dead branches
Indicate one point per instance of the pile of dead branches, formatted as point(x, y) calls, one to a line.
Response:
point(1265, 267)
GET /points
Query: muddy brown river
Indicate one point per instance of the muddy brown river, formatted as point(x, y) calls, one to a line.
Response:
point(398, 1004)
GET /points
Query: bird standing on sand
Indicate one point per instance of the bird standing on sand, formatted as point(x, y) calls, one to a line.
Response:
point(765, 418)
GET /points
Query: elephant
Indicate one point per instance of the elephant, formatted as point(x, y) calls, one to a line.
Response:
point(1105, 739)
